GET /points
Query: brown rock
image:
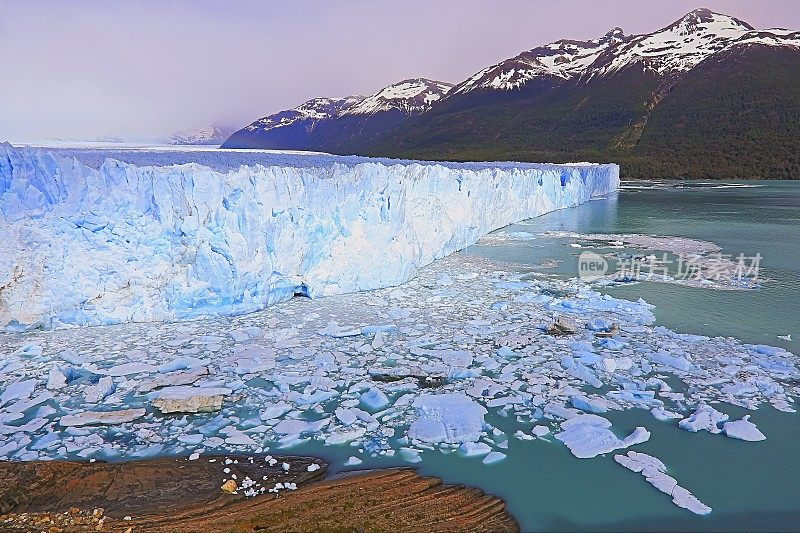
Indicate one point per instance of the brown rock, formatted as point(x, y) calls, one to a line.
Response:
point(170, 495)
point(229, 487)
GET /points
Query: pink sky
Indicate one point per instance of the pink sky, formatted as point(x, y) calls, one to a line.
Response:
point(147, 68)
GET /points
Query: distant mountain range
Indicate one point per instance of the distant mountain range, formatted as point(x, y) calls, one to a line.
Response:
point(208, 135)
point(337, 124)
point(708, 96)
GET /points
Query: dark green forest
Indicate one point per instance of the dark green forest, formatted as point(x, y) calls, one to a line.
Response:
point(735, 116)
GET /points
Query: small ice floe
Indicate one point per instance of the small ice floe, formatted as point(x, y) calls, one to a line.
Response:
point(374, 399)
point(588, 436)
point(785, 337)
point(313, 467)
point(664, 415)
point(291, 426)
point(677, 362)
point(56, 379)
point(595, 405)
point(100, 391)
point(29, 350)
point(274, 411)
point(451, 418)
point(353, 461)
point(342, 436)
point(493, 457)
point(705, 418)
point(94, 418)
point(346, 416)
point(127, 369)
point(472, 449)
point(173, 379)
point(743, 430)
point(521, 435)
point(378, 341)
point(444, 279)
point(410, 455)
point(184, 399)
point(19, 390)
point(540, 431)
point(240, 439)
point(654, 471)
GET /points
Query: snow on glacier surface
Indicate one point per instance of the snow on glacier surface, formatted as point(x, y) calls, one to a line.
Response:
point(95, 236)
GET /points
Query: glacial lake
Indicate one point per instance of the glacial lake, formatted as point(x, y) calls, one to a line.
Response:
point(750, 485)
point(468, 302)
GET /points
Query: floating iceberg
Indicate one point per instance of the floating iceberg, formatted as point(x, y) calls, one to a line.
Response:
point(705, 418)
point(743, 430)
point(654, 472)
point(588, 436)
point(183, 399)
point(160, 236)
point(451, 418)
point(92, 418)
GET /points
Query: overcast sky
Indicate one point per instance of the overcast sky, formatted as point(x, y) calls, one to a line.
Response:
point(74, 68)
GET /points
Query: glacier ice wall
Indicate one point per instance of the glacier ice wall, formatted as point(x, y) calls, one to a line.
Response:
point(83, 245)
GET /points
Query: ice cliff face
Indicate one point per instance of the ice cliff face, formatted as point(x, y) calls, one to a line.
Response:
point(131, 242)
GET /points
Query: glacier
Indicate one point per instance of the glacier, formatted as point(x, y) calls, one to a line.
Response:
point(93, 236)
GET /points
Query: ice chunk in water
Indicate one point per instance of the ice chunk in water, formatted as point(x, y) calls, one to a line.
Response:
point(97, 393)
point(540, 431)
point(410, 455)
point(588, 436)
point(677, 362)
point(493, 457)
point(590, 405)
point(705, 418)
point(471, 449)
point(374, 399)
point(93, 418)
point(655, 472)
point(452, 418)
point(186, 399)
point(743, 429)
point(56, 379)
point(20, 390)
point(273, 411)
point(295, 427)
point(664, 415)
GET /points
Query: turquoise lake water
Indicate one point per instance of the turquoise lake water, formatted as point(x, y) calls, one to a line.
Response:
point(750, 486)
point(762, 219)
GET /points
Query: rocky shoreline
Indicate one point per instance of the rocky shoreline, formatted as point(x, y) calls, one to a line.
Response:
point(235, 493)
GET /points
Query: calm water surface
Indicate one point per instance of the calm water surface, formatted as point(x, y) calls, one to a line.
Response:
point(749, 485)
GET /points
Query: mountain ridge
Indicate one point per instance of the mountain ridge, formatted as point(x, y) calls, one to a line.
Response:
point(597, 100)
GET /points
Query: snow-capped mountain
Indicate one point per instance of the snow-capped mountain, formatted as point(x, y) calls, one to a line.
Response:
point(409, 96)
point(706, 96)
point(309, 112)
point(208, 135)
point(563, 59)
point(685, 43)
point(320, 122)
point(676, 48)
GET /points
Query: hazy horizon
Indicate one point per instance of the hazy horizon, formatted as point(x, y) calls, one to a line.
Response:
point(142, 70)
